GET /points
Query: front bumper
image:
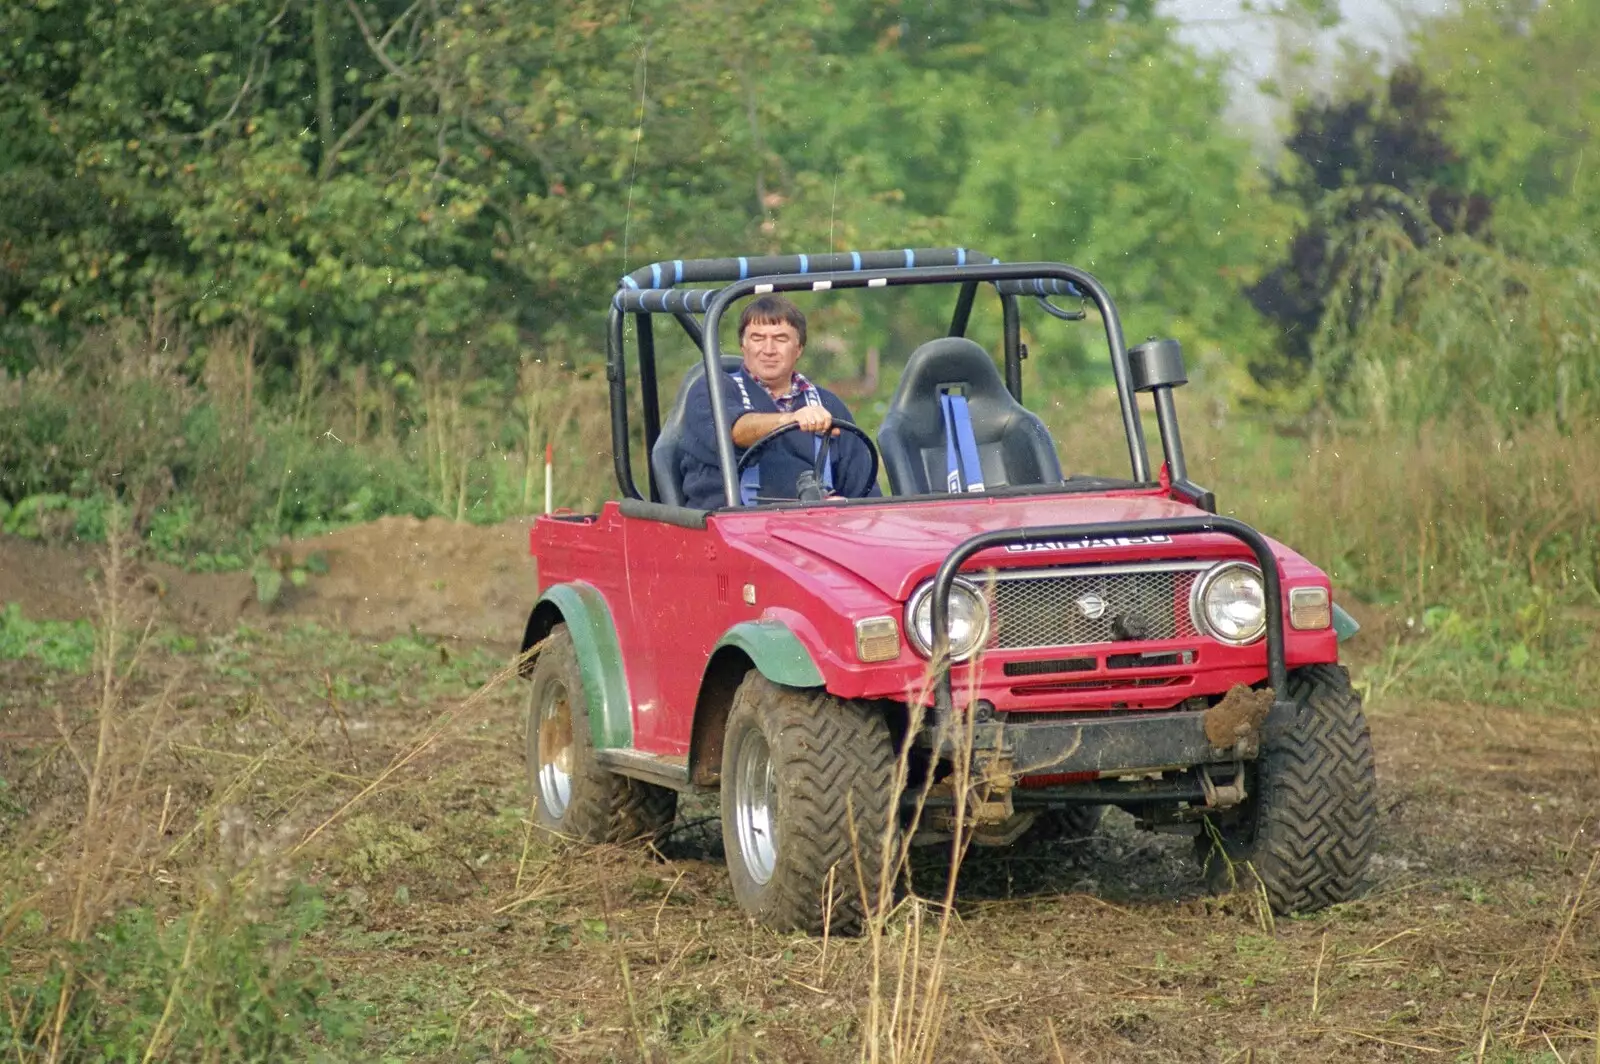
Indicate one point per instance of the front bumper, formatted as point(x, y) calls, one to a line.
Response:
point(1171, 767)
point(1100, 745)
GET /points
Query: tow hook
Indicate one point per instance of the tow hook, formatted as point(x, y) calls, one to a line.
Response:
point(1222, 795)
point(993, 804)
point(989, 803)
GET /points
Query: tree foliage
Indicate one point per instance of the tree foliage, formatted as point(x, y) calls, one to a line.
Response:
point(379, 179)
point(1358, 165)
point(1446, 257)
point(1524, 80)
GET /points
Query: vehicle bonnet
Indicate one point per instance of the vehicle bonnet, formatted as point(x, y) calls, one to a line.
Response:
point(895, 546)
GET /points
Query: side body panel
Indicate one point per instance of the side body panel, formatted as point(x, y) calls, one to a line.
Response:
point(649, 603)
point(680, 605)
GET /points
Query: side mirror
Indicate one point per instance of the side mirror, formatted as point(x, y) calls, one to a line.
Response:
point(1157, 364)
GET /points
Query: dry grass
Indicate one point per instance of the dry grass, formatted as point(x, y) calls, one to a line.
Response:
point(85, 876)
point(466, 937)
point(1411, 515)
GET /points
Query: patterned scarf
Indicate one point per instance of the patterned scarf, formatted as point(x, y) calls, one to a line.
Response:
point(795, 397)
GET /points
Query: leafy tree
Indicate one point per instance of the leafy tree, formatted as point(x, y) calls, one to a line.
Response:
point(352, 178)
point(1525, 78)
point(438, 179)
point(1033, 129)
point(1357, 165)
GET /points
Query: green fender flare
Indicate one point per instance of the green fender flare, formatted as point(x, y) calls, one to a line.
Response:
point(605, 683)
point(776, 651)
point(1344, 625)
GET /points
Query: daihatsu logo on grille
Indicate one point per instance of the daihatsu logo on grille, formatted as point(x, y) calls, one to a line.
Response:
point(1092, 606)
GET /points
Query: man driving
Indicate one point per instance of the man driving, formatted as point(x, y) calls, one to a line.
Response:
point(763, 396)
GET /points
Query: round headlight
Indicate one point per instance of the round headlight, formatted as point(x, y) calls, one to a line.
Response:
point(969, 619)
point(1230, 603)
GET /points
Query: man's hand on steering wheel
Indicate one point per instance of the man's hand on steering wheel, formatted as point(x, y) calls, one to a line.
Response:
point(813, 419)
point(826, 428)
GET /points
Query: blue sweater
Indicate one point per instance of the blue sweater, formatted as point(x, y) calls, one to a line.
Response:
point(781, 461)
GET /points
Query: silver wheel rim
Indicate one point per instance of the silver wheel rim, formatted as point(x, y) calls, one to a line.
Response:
point(755, 801)
point(552, 716)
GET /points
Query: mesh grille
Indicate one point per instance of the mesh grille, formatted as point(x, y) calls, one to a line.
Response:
point(1057, 611)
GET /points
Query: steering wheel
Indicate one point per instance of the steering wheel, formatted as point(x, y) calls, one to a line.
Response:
point(820, 462)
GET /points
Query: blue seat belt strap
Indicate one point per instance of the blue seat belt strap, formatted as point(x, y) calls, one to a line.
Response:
point(750, 484)
point(952, 457)
point(964, 471)
point(972, 469)
point(750, 479)
point(813, 399)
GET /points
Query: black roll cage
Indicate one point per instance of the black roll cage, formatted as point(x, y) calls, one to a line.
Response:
point(651, 290)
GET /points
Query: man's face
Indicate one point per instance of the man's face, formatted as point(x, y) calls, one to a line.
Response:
point(771, 350)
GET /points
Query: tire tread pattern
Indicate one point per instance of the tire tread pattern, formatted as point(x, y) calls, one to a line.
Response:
point(835, 761)
point(1314, 823)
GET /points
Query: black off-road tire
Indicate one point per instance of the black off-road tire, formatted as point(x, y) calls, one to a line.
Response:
point(1308, 827)
point(1073, 823)
point(833, 761)
point(603, 806)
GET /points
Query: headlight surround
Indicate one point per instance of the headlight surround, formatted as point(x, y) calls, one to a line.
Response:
point(1229, 603)
point(969, 619)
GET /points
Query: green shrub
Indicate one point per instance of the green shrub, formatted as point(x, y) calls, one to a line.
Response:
point(211, 985)
point(67, 645)
point(323, 483)
point(1451, 323)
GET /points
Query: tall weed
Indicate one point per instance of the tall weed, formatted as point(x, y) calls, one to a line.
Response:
point(1482, 539)
point(106, 954)
point(213, 462)
point(1436, 324)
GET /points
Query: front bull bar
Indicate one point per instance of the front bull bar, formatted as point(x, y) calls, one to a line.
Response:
point(1277, 670)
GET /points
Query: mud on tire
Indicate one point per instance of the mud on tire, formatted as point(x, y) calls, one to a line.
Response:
point(1308, 828)
point(798, 766)
point(575, 796)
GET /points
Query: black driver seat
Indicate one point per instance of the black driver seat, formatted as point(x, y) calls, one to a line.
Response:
point(664, 471)
point(1014, 447)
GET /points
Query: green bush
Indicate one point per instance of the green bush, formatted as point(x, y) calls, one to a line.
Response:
point(211, 985)
point(1451, 322)
point(204, 484)
point(67, 645)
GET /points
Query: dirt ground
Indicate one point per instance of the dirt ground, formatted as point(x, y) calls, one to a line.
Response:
point(395, 576)
point(393, 783)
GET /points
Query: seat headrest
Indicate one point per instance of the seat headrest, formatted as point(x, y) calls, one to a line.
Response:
point(664, 456)
point(730, 364)
point(950, 360)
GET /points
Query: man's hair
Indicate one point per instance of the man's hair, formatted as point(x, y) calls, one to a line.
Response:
point(773, 310)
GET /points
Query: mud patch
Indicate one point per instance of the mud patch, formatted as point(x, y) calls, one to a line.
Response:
point(1237, 717)
point(435, 577)
point(395, 576)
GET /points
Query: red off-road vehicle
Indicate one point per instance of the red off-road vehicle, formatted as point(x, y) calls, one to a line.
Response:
point(1099, 642)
